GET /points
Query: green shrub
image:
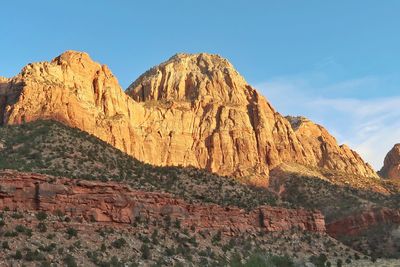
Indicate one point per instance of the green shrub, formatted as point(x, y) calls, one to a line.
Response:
point(177, 224)
point(34, 256)
point(319, 261)
point(18, 255)
point(10, 234)
point(41, 216)
point(119, 243)
point(70, 261)
point(5, 245)
point(71, 232)
point(283, 261)
point(17, 215)
point(217, 237)
point(22, 229)
point(42, 227)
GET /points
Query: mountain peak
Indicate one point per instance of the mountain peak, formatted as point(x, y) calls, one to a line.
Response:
point(391, 166)
point(199, 58)
point(79, 62)
point(190, 77)
point(72, 53)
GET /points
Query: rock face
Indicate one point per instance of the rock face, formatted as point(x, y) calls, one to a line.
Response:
point(317, 142)
point(190, 110)
point(116, 203)
point(391, 166)
point(355, 224)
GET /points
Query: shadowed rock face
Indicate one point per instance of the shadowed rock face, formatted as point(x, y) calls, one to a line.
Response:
point(391, 166)
point(116, 203)
point(190, 110)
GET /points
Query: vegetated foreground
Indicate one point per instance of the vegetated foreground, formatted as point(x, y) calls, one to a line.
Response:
point(51, 148)
point(46, 239)
point(58, 220)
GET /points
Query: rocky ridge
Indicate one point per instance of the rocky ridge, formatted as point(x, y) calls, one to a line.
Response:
point(196, 109)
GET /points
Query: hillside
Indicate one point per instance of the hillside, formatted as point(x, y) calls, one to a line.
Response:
point(365, 217)
point(44, 239)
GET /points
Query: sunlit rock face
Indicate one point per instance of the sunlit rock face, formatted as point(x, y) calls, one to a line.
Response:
point(194, 109)
point(391, 166)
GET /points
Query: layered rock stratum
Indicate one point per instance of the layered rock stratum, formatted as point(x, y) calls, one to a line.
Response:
point(391, 165)
point(357, 223)
point(193, 109)
point(110, 202)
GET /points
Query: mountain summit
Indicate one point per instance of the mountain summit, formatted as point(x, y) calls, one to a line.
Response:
point(192, 77)
point(194, 109)
point(391, 166)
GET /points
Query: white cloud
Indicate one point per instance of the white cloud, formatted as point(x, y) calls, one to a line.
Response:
point(371, 126)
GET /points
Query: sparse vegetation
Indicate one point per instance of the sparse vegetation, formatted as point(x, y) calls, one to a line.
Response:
point(76, 243)
point(338, 201)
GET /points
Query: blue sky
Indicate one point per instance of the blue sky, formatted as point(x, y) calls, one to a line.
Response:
point(336, 62)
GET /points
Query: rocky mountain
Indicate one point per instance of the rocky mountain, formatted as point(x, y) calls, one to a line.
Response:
point(391, 165)
point(192, 110)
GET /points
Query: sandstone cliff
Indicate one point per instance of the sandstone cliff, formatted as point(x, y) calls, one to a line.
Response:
point(243, 128)
point(116, 203)
point(317, 142)
point(391, 166)
point(190, 110)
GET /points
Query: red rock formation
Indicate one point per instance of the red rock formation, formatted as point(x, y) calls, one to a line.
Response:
point(355, 224)
point(391, 166)
point(116, 203)
point(191, 110)
point(318, 142)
